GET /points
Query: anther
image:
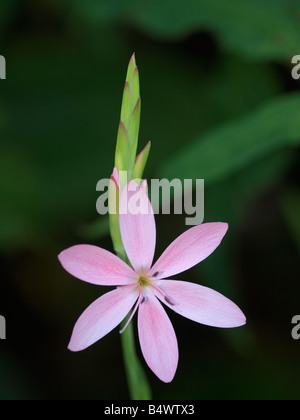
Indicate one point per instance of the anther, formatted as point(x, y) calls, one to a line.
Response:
point(170, 301)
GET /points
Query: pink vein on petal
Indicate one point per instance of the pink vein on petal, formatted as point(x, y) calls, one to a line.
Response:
point(101, 317)
point(157, 339)
point(137, 226)
point(201, 304)
point(189, 249)
point(96, 266)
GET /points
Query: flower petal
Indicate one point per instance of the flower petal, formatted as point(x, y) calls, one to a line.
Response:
point(157, 338)
point(101, 317)
point(137, 226)
point(200, 304)
point(189, 249)
point(97, 266)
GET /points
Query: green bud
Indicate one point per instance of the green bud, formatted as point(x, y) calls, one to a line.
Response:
point(130, 121)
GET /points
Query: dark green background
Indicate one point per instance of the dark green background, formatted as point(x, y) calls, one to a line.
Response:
point(219, 103)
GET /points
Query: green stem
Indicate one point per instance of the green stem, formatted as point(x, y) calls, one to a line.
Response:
point(138, 385)
point(139, 388)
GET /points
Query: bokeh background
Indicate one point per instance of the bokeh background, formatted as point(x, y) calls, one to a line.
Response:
point(219, 103)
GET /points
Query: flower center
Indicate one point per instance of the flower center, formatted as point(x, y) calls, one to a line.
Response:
point(144, 282)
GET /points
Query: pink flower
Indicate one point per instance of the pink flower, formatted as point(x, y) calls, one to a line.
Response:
point(144, 286)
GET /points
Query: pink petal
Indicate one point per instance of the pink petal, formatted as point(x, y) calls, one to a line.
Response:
point(189, 249)
point(97, 266)
point(137, 226)
point(200, 304)
point(101, 317)
point(157, 338)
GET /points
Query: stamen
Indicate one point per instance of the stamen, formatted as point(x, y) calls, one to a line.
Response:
point(158, 290)
point(169, 300)
point(133, 312)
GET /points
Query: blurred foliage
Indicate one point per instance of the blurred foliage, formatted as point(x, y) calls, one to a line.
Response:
point(232, 147)
point(7, 8)
point(219, 103)
point(268, 30)
point(291, 210)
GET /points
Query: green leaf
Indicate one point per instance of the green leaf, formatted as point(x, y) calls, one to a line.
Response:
point(133, 133)
point(127, 105)
point(227, 149)
point(141, 162)
point(122, 149)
